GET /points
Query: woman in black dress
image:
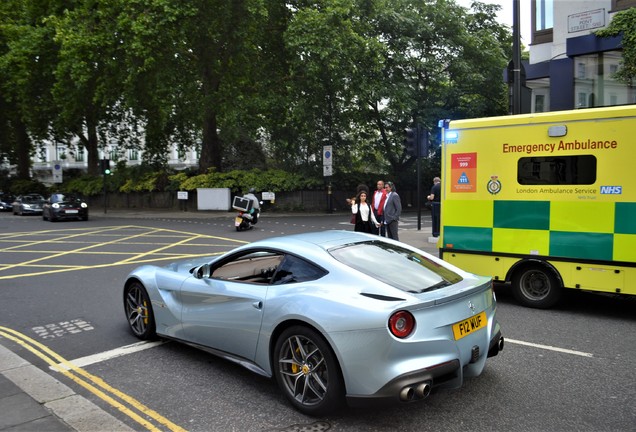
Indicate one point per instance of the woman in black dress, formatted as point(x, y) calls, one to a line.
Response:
point(364, 215)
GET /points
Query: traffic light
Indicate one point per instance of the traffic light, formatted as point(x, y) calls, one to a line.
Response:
point(424, 143)
point(411, 143)
point(104, 166)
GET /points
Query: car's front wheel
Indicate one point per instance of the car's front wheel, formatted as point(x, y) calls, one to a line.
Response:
point(139, 311)
point(307, 371)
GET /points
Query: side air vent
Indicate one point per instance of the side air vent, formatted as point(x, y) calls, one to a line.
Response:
point(382, 297)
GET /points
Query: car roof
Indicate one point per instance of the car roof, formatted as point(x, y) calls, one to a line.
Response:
point(312, 245)
point(323, 239)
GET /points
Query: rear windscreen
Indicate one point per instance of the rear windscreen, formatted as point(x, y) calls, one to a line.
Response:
point(395, 266)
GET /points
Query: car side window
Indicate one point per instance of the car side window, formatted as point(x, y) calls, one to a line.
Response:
point(255, 267)
point(295, 269)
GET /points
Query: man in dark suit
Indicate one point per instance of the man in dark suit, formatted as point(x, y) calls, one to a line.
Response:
point(392, 211)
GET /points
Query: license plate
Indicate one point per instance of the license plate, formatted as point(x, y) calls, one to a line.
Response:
point(469, 325)
point(238, 220)
point(71, 211)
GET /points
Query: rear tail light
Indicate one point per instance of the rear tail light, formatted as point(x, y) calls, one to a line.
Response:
point(401, 324)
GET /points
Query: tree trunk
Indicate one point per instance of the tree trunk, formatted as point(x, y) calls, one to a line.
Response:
point(211, 146)
point(91, 147)
point(24, 146)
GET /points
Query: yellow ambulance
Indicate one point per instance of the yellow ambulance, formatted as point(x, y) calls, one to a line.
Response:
point(543, 202)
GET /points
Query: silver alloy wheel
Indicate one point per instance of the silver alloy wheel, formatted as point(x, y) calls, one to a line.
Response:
point(303, 370)
point(137, 309)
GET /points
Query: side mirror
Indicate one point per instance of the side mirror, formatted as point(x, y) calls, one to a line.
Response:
point(202, 272)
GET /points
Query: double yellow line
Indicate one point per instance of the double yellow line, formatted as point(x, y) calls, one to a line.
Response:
point(134, 409)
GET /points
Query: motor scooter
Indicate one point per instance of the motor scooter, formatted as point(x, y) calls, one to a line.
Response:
point(247, 217)
point(244, 220)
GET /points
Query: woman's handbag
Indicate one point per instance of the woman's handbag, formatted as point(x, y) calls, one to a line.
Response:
point(353, 219)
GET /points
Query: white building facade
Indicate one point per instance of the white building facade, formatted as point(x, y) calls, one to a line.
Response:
point(51, 160)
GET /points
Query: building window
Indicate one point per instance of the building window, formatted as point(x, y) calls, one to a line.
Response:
point(599, 88)
point(539, 103)
point(613, 68)
point(60, 152)
point(618, 5)
point(43, 154)
point(580, 70)
point(79, 155)
point(540, 94)
point(542, 21)
point(133, 154)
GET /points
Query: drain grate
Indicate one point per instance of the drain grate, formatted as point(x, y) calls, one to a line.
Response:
point(319, 426)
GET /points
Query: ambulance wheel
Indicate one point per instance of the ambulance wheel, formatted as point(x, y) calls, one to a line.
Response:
point(536, 286)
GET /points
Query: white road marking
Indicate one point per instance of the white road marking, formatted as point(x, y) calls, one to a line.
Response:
point(107, 355)
point(548, 347)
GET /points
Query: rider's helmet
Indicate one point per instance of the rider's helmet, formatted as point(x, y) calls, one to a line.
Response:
point(252, 190)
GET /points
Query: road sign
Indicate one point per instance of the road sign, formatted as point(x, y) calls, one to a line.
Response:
point(327, 170)
point(57, 172)
point(327, 155)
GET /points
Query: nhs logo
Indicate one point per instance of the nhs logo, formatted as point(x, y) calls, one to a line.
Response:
point(612, 190)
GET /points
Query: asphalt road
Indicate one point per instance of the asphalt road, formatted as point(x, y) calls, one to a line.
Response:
point(571, 368)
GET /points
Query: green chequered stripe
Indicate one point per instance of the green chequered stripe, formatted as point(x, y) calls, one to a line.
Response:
point(597, 246)
point(522, 214)
point(625, 222)
point(468, 238)
point(602, 231)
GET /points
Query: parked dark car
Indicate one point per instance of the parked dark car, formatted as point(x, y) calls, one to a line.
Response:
point(29, 204)
point(64, 206)
point(6, 201)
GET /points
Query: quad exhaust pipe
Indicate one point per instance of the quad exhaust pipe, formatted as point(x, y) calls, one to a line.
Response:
point(422, 390)
point(496, 347)
point(415, 392)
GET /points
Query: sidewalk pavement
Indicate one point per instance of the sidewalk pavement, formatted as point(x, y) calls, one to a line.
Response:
point(32, 400)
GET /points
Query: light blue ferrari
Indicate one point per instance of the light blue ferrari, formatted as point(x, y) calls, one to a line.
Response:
point(332, 316)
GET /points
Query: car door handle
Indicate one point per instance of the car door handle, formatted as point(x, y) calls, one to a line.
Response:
point(258, 305)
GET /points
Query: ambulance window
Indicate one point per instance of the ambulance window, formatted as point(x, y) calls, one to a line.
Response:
point(557, 170)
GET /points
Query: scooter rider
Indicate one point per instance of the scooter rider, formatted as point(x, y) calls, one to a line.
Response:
point(256, 206)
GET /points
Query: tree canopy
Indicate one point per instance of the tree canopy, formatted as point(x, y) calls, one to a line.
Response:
point(248, 83)
point(624, 22)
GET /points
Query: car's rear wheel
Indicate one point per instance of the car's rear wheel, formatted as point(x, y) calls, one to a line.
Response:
point(536, 286)
point(139, 311)
point(307, 371)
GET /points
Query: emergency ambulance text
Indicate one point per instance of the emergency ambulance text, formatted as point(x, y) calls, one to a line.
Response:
point(560, 146)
